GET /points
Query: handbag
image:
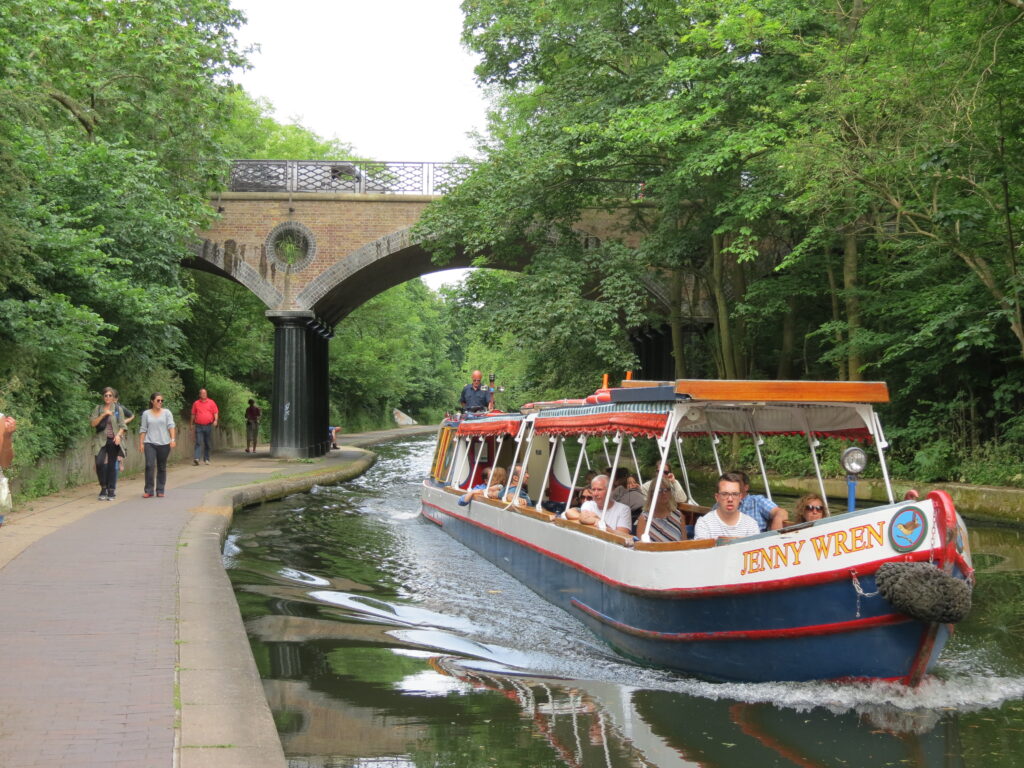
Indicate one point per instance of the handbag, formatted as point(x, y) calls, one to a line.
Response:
point(6, 502)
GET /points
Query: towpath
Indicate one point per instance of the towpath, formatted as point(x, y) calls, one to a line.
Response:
point(120, 640)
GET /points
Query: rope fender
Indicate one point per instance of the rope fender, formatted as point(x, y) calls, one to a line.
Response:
point(924, 592)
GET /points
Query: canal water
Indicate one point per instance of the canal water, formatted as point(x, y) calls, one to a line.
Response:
point(383, 643)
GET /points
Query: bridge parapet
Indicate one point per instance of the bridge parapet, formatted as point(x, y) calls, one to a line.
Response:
point(354, 176)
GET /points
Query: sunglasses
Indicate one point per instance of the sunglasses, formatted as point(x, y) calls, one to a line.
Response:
point(158, 400)
point(814, 508)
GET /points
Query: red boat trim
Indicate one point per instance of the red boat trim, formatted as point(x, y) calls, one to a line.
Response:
point(947, 558)
point(685, 593)
point(438, 523)
point(945, 515)
point(835, 628)
point(919, 665)
point(631, 423)
point(490, 428)
point(965, 569)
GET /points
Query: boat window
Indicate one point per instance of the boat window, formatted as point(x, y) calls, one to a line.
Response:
point(443, 454)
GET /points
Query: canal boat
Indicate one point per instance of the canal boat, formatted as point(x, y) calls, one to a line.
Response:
point(869, 594)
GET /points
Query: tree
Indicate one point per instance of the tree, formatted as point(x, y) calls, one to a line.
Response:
point(389, 353)
point(106, 152)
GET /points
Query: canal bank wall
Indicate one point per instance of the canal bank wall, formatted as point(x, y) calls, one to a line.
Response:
point(76, 465)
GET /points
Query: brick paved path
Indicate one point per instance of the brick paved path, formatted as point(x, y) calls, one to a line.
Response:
point(87, 631)
point(121, 643)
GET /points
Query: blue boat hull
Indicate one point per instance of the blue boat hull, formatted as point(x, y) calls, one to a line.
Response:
point(809, 631)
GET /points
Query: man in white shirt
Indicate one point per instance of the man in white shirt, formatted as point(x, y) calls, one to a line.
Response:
point(618, 517)
point(726, 520)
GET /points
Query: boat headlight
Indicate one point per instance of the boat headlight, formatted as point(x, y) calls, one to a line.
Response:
point(854, 460)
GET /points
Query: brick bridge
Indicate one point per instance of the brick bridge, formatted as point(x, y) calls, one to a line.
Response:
point(315, 240)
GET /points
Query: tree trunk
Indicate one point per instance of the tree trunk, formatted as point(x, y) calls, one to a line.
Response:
point(739, 329)
point(785, 369)
point(833, 289)
point(721, 307)
point(852, 300)
point(676, 324)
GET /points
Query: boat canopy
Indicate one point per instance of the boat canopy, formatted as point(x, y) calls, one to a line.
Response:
point(490, 426)
point(702, 418)
point(642, 409)
point(636, 419)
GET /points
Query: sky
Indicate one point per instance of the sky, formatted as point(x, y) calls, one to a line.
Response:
point(389, 77)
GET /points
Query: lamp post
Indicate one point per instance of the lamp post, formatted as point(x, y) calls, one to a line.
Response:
point(854, 460)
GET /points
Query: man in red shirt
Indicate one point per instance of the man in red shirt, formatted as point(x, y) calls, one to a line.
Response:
point(204, 419)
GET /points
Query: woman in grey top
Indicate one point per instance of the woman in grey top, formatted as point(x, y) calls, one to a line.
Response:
point(156, 438)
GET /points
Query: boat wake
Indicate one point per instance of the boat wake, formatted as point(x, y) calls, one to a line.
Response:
point(546, 647)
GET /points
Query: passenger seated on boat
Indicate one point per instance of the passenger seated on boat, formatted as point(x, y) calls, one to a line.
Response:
point(524, 497)
point(617, 518)
point(626, 490)
point(809, 508)
point(765, 512)
point(489, 489)
point(678, 493)
point(725, 521)
point(485, 474)
point(578, 498)
point(668, 523)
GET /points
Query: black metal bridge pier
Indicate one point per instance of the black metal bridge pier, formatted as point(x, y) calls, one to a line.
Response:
point(301, 399)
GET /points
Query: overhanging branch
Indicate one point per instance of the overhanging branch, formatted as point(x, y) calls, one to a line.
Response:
point(87, 121)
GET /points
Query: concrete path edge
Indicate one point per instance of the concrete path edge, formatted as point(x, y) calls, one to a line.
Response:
point(224, 720)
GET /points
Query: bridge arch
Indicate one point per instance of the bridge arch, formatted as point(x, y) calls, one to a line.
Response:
point(368, 271)
point(360, 220)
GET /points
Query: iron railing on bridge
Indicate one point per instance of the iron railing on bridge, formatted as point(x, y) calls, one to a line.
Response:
point(359, 177)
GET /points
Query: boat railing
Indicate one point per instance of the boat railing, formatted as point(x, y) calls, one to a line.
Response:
point(549, 517)
point(674, 546)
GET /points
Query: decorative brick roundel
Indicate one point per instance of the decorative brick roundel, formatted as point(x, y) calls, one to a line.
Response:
point(291, 245)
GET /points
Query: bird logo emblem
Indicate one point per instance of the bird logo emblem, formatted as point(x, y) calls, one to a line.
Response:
point(907, 529)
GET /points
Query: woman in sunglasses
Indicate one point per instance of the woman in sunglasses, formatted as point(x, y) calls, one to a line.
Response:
point(810, 508)
point(111, 429)
point(156, 439)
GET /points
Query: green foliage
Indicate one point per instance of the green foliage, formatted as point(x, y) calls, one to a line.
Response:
point(828, 191)
point(89, 300)
point(804, 190)
point(388, 354)
point(542, 338)
point(228, 334)
point(106, 155)
point(231, 397)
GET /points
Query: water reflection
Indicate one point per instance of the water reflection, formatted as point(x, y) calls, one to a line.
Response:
point(382, 642)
